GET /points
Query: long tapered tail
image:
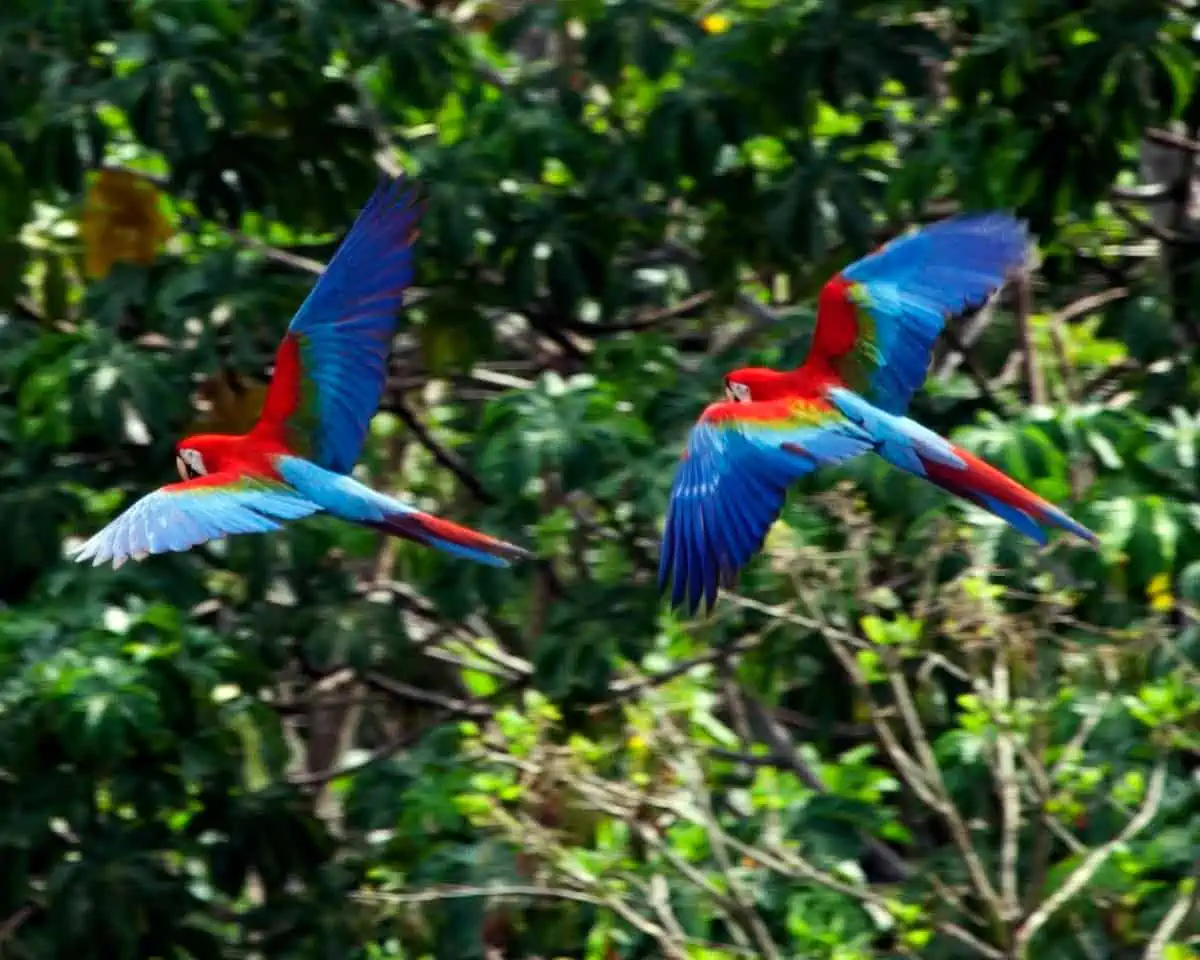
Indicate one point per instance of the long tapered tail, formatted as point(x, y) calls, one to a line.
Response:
point(451, 537)
point(987, 487)
point(916, 449)
point(345, 497)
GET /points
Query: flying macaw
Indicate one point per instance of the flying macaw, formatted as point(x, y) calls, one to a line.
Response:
point(330, 372)
point(877, 321)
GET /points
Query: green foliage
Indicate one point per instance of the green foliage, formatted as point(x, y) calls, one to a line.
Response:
point(909, 733)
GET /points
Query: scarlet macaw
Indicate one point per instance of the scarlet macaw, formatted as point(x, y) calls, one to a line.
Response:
point(876, 325)
point(330, 372)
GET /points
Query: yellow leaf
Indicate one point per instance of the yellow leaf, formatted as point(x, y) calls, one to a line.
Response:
point(121, 223)
point(1161, 602)
point(715, 23)
point(1158, 592)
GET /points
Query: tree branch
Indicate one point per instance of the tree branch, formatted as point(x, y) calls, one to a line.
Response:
point(1183, 907)
point(447, 458)
point(1083, 874)
point(1009, 790)
point(788, 757)
point(1024, 312)
point(406, 738)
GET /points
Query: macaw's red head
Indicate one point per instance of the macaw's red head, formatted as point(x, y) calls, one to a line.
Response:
point(200, 455)
point(189, 458)
point(755, 384)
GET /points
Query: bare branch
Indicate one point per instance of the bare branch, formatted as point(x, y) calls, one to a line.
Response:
point(1183, 907)
point(403, 739)
point(13, 923)
point(446, 457)
point(1144, 193)
point(1083, 874)
point(1092, 301)
point(626, 690)
point(791, 864)
point(788, 757)
point(1024, 313)
point(743, 907)
point(922, 773)
point(1009, 790)
point(1169, 139)
point(405, 691)
point(974, 370)
point(611, 902)
point(933, 772)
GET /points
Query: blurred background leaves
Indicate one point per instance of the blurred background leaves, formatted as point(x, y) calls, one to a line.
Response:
point(910, 734)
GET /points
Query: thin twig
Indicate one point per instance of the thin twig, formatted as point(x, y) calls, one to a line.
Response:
point(1183, 907)
point(1170, 139)
point(1090, 303)
point(397, 743)
point(974, 370)
point(436, 894)
point(404, 691)
point(1082, 875)
point(959, 833)
point(1009, 791)
point(1024, 313)
point(293, 260)
point(743, 907)
point(791, 864)
point(628, 689)
point(446, 457)
point(922, 774)
point(788, 757)
point(14, 922)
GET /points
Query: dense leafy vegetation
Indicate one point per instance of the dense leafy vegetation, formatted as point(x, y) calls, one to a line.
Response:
point(910, 734)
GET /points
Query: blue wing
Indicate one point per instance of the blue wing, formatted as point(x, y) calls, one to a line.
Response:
point(732, 482)
point(331, 368)
point(878, 320)
point(181, 515)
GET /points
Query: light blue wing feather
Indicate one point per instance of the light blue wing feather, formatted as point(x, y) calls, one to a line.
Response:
point(179, 516)
point(341, 495)
point(345, 497)
point(332, 365)
point(904, 292)
point(901, 441)
point(732, 482)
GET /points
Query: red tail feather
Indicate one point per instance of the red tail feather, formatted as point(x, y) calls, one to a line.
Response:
point(981, 480)
point(424, 528)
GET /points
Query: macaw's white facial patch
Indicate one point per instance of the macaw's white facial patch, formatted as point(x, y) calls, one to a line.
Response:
point(190, 464)
point(737, 392)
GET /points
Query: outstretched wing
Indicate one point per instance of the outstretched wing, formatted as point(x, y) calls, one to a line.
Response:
point(878, 319)
point(181, 515)
point(331, 368)
point(731, 484)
